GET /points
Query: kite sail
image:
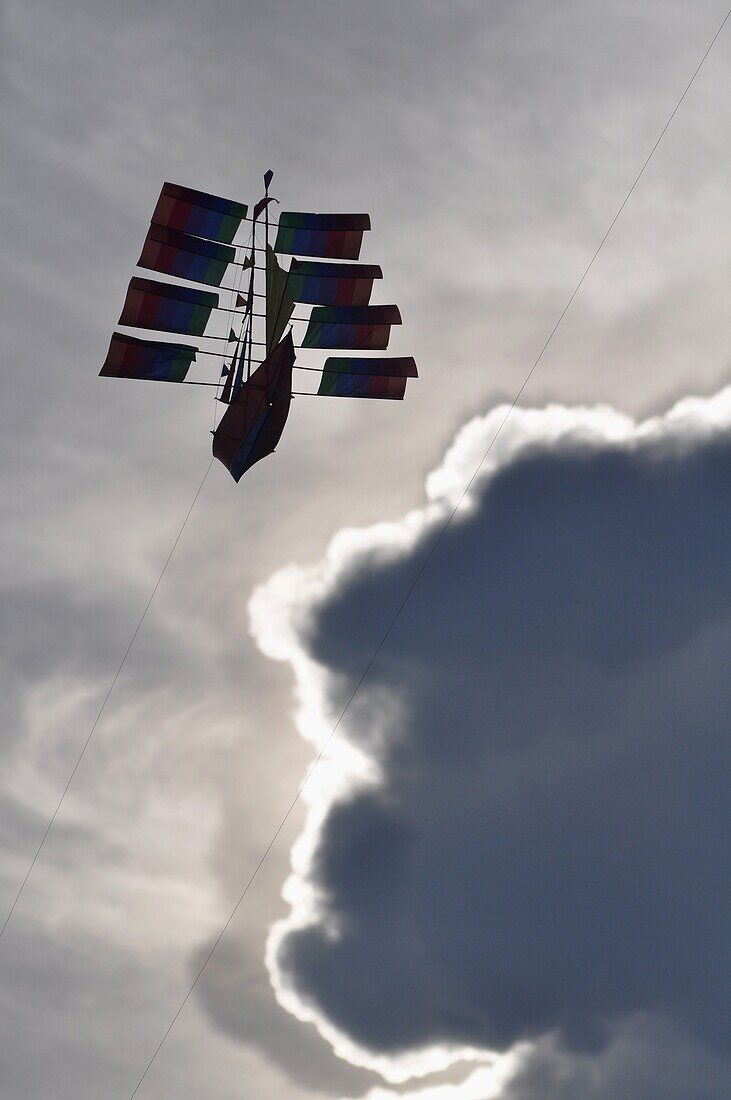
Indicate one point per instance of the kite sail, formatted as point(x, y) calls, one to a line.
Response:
point(254, 421)
point(366, 377)
point(333, 236)
point(196, 212)
point(362, 327)
point(332, 284)
point(167, 307)
point(248, 323)
point(185, 256)
point(129, 357)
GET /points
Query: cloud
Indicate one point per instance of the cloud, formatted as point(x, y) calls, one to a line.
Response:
point(520, 833)
point(238, 996)
point(645, 1059)
point(495, 135)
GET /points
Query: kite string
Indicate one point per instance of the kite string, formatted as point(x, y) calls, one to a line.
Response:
point(420, 572)
point(95, 723)
point(116, 676)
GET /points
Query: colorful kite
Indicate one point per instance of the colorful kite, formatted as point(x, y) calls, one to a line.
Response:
point(191, 237)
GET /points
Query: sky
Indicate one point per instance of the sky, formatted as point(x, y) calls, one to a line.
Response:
point(508, 875)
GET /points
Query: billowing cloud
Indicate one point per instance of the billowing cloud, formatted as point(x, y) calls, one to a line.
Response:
point(520, 833)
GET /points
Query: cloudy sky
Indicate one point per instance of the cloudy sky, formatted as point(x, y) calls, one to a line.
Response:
point(508, 877)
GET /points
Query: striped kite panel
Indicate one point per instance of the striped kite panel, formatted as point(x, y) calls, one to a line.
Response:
point(357, 315)
point(337, 271)
point(310, 242)
point(403, 366)
point(166, 307)
point(357, 337)
point(364, 328)
point(331, 284)
point(129, 357)
point(337, 384)
point(333, 236)
point(325, 223)
point(185, 256)
point(198, 213)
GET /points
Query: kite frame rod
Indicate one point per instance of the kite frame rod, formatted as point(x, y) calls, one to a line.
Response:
point(216, 385)
point(298, 366)
point(259, 267)
point(255, 221)
point(257, 343)
point(256, 267)
point(339, 260)
point(233, 310)
point(226, 339)
point(233, 289)
point(275, 225)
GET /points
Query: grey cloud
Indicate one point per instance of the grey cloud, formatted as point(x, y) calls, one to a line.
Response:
point(547, 852)
point(71, 633)
point(647, 1059)
point(238, 996)
point(489, 142)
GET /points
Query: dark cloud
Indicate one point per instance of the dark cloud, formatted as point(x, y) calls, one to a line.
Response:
point(238, 996)
point(646, 1060)
point(547, 850)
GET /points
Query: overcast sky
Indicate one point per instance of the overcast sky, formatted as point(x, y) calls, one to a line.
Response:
point(509, 876)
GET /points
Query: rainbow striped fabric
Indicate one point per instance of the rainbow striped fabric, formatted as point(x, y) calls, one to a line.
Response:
point(365, 328)
point(130, 357)
point(338, 384)
point(198, 213)
point(333, 236)
point(352, 377)
point(164, 306)
point(185, 256)
point(400, 366)
point(331, 284)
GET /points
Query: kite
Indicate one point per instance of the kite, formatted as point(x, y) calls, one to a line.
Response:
point(191, 237)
